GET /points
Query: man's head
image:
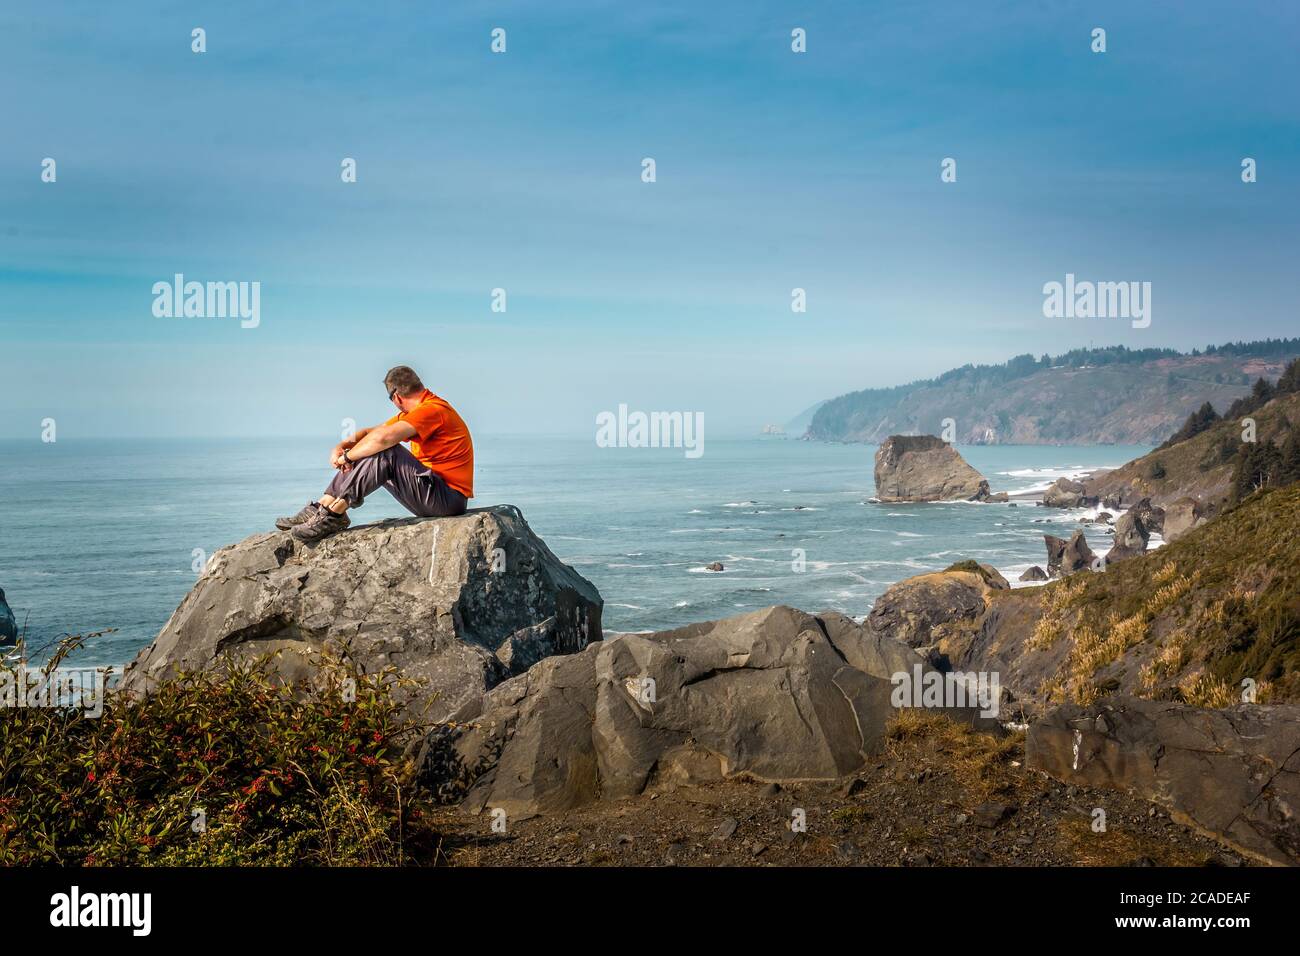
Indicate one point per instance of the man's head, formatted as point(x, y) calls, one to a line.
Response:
point(404, 387)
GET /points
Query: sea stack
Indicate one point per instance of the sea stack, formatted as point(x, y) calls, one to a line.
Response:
point(925, 468)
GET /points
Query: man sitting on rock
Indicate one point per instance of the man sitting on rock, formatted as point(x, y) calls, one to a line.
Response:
point(433, 479)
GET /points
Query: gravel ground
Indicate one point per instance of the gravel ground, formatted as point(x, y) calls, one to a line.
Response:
point(939, 795)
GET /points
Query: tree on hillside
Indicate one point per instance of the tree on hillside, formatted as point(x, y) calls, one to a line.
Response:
point(1260, 395)
point(1289, 381)
point(1289, 466)
point(1197, 422)
point(1260, 467)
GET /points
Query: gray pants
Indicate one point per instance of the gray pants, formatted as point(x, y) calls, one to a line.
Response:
point(419, 490)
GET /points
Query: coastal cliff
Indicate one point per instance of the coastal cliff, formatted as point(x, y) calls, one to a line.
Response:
point(1107, 396)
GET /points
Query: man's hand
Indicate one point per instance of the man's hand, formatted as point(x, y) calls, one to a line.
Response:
point(370, 441)
point(336, 455)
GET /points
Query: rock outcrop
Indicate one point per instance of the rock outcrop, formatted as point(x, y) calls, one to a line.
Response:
point(1131, 538)
point(1234, 773)
point(1034, 573)
point(1066, 557)
point(1202, 467)
point(937, 612)
point(8, 626)
point(1187, 622)
point(1153, 518)
point(459, 604)
point(1181, 517)
point(1066, 493)
point(925, 468)
point(775, 695)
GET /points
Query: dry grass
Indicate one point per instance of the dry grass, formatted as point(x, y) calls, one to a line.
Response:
point(980, 762)
point(1095, 648)
point(1117, 846)
point(1058, 599)
point(1205, 690)
point(851, 815)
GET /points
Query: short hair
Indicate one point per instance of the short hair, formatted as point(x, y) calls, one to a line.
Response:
point(403, 380)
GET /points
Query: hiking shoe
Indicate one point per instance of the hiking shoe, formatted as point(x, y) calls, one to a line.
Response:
point(303, 516)
point(321, 525)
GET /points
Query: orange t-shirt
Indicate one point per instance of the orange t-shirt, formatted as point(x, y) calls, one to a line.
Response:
point(441, 443)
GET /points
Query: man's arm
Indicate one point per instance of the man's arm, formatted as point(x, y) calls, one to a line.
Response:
point(371, 441)
point(347, 443)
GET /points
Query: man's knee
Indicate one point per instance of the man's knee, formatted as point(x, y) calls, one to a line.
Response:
point(393, 455)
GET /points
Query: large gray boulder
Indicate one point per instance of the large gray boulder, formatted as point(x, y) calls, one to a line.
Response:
point(1066, 557)
point(925, 468)
point(1234, 773)
point(459, 604)
point(936, 610)
point(1181, 517)
point(1066, 493)
point(1153, 518)
point(1130, 538)
point(8, 626)
point(774, 695)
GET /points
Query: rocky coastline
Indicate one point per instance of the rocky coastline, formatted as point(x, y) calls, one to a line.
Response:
point(1151, 682)
point(536, 713)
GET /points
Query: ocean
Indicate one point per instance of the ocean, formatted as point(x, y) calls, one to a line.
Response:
point(106, 534)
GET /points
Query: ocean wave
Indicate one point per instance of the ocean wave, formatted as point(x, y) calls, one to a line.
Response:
point(719, 530)
point(1044, 478)
point(1058, 471)
point(911, 563)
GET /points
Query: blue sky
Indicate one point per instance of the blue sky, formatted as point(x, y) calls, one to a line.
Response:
point(522, 171)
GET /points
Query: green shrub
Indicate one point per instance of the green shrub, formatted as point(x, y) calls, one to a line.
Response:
point(282, 775)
